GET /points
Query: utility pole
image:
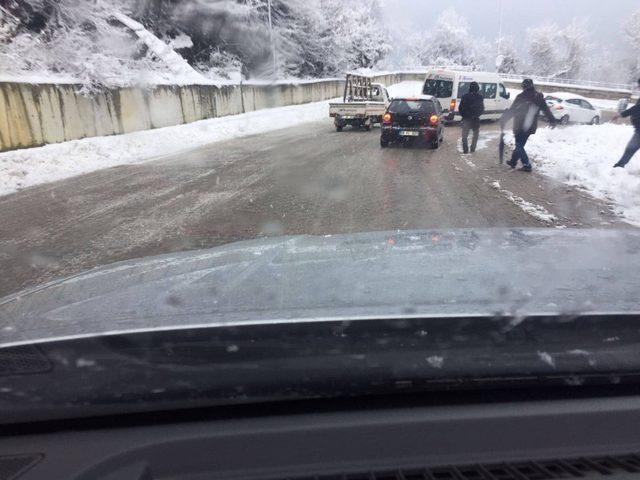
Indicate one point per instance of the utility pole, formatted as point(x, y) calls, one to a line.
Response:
point(273, 43)
point(499, 57)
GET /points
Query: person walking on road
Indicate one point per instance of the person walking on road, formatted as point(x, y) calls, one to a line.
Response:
point(634, 143)
point(471, 108)
point(524, 111)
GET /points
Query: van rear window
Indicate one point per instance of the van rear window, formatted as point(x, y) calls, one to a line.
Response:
point(438, 88)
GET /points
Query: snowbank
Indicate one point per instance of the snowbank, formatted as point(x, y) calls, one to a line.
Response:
point(583, 156)
point(24, 168)
point(603, 104)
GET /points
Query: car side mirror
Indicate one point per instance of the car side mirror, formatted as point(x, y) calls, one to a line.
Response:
point(508, 95)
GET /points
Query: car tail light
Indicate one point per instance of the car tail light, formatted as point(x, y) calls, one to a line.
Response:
point(433, 120)
point(386, 118)
point(452, 106)
point(559, 107)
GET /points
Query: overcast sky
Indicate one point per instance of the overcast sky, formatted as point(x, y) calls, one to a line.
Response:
point(604, 16)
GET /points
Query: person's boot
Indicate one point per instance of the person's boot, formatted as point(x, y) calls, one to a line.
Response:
point(618, 165)
point(512, 164)
point(526, 168)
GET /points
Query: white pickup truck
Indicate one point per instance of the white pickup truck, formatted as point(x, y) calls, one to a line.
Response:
point(363, 104)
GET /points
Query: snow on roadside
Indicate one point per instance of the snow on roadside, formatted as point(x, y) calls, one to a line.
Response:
point(483, 140)
point(33, 166)
point(602, 104)
point(536, 211)
point(583, 156)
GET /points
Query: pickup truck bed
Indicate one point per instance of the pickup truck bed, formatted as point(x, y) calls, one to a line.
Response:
point(362, 109)
point(362, 114)
point(363, 104)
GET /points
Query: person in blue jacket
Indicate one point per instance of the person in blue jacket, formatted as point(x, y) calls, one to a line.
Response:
point(524, 112)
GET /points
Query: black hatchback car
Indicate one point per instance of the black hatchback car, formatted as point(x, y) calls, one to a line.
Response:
point(412, 120)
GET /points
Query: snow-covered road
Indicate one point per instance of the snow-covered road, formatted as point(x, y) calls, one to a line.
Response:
point(34, 166)
point(579, 156)
point(304, 179)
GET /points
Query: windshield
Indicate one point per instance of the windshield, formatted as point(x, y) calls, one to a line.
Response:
point(205, 182)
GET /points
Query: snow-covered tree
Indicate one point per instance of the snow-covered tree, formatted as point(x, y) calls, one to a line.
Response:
point(355, 34)
point(219, 38)
point(9, 23)
point(81, 39)
point(605, 65)
point(558, 51)
point(632, 34)
point(575, 48)
point(509, 58)
point(448, 43)
point(219, 29)
point(301, 46)
point(544, 57)
point(311, 37)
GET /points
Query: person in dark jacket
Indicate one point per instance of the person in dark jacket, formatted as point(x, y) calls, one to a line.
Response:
point(634, 143)
point(471, 108)
point(524, 112)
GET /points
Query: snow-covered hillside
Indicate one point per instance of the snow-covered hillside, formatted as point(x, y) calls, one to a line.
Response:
point(218, 40)
point(124, 42)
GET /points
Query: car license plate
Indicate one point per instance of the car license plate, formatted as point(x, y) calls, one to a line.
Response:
point(409, 133)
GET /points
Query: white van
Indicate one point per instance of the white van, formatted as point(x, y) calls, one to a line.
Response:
point(449, 86)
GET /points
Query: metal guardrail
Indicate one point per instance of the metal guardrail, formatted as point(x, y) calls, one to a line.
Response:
point(537, 78)
point(570, 81)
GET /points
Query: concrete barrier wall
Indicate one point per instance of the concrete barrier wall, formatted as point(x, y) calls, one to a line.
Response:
point(36, 114)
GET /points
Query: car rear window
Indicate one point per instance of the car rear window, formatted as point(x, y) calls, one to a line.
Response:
point(409, 106)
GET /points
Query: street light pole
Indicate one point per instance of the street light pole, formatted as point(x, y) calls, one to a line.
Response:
point(499, 57)
point(273, 43)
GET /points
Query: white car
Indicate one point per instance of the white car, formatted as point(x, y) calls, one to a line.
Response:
point(569, 107)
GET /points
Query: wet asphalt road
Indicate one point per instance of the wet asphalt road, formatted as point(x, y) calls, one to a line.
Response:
point(304, 180)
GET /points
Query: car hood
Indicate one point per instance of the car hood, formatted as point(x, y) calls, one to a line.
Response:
point(307, 278)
